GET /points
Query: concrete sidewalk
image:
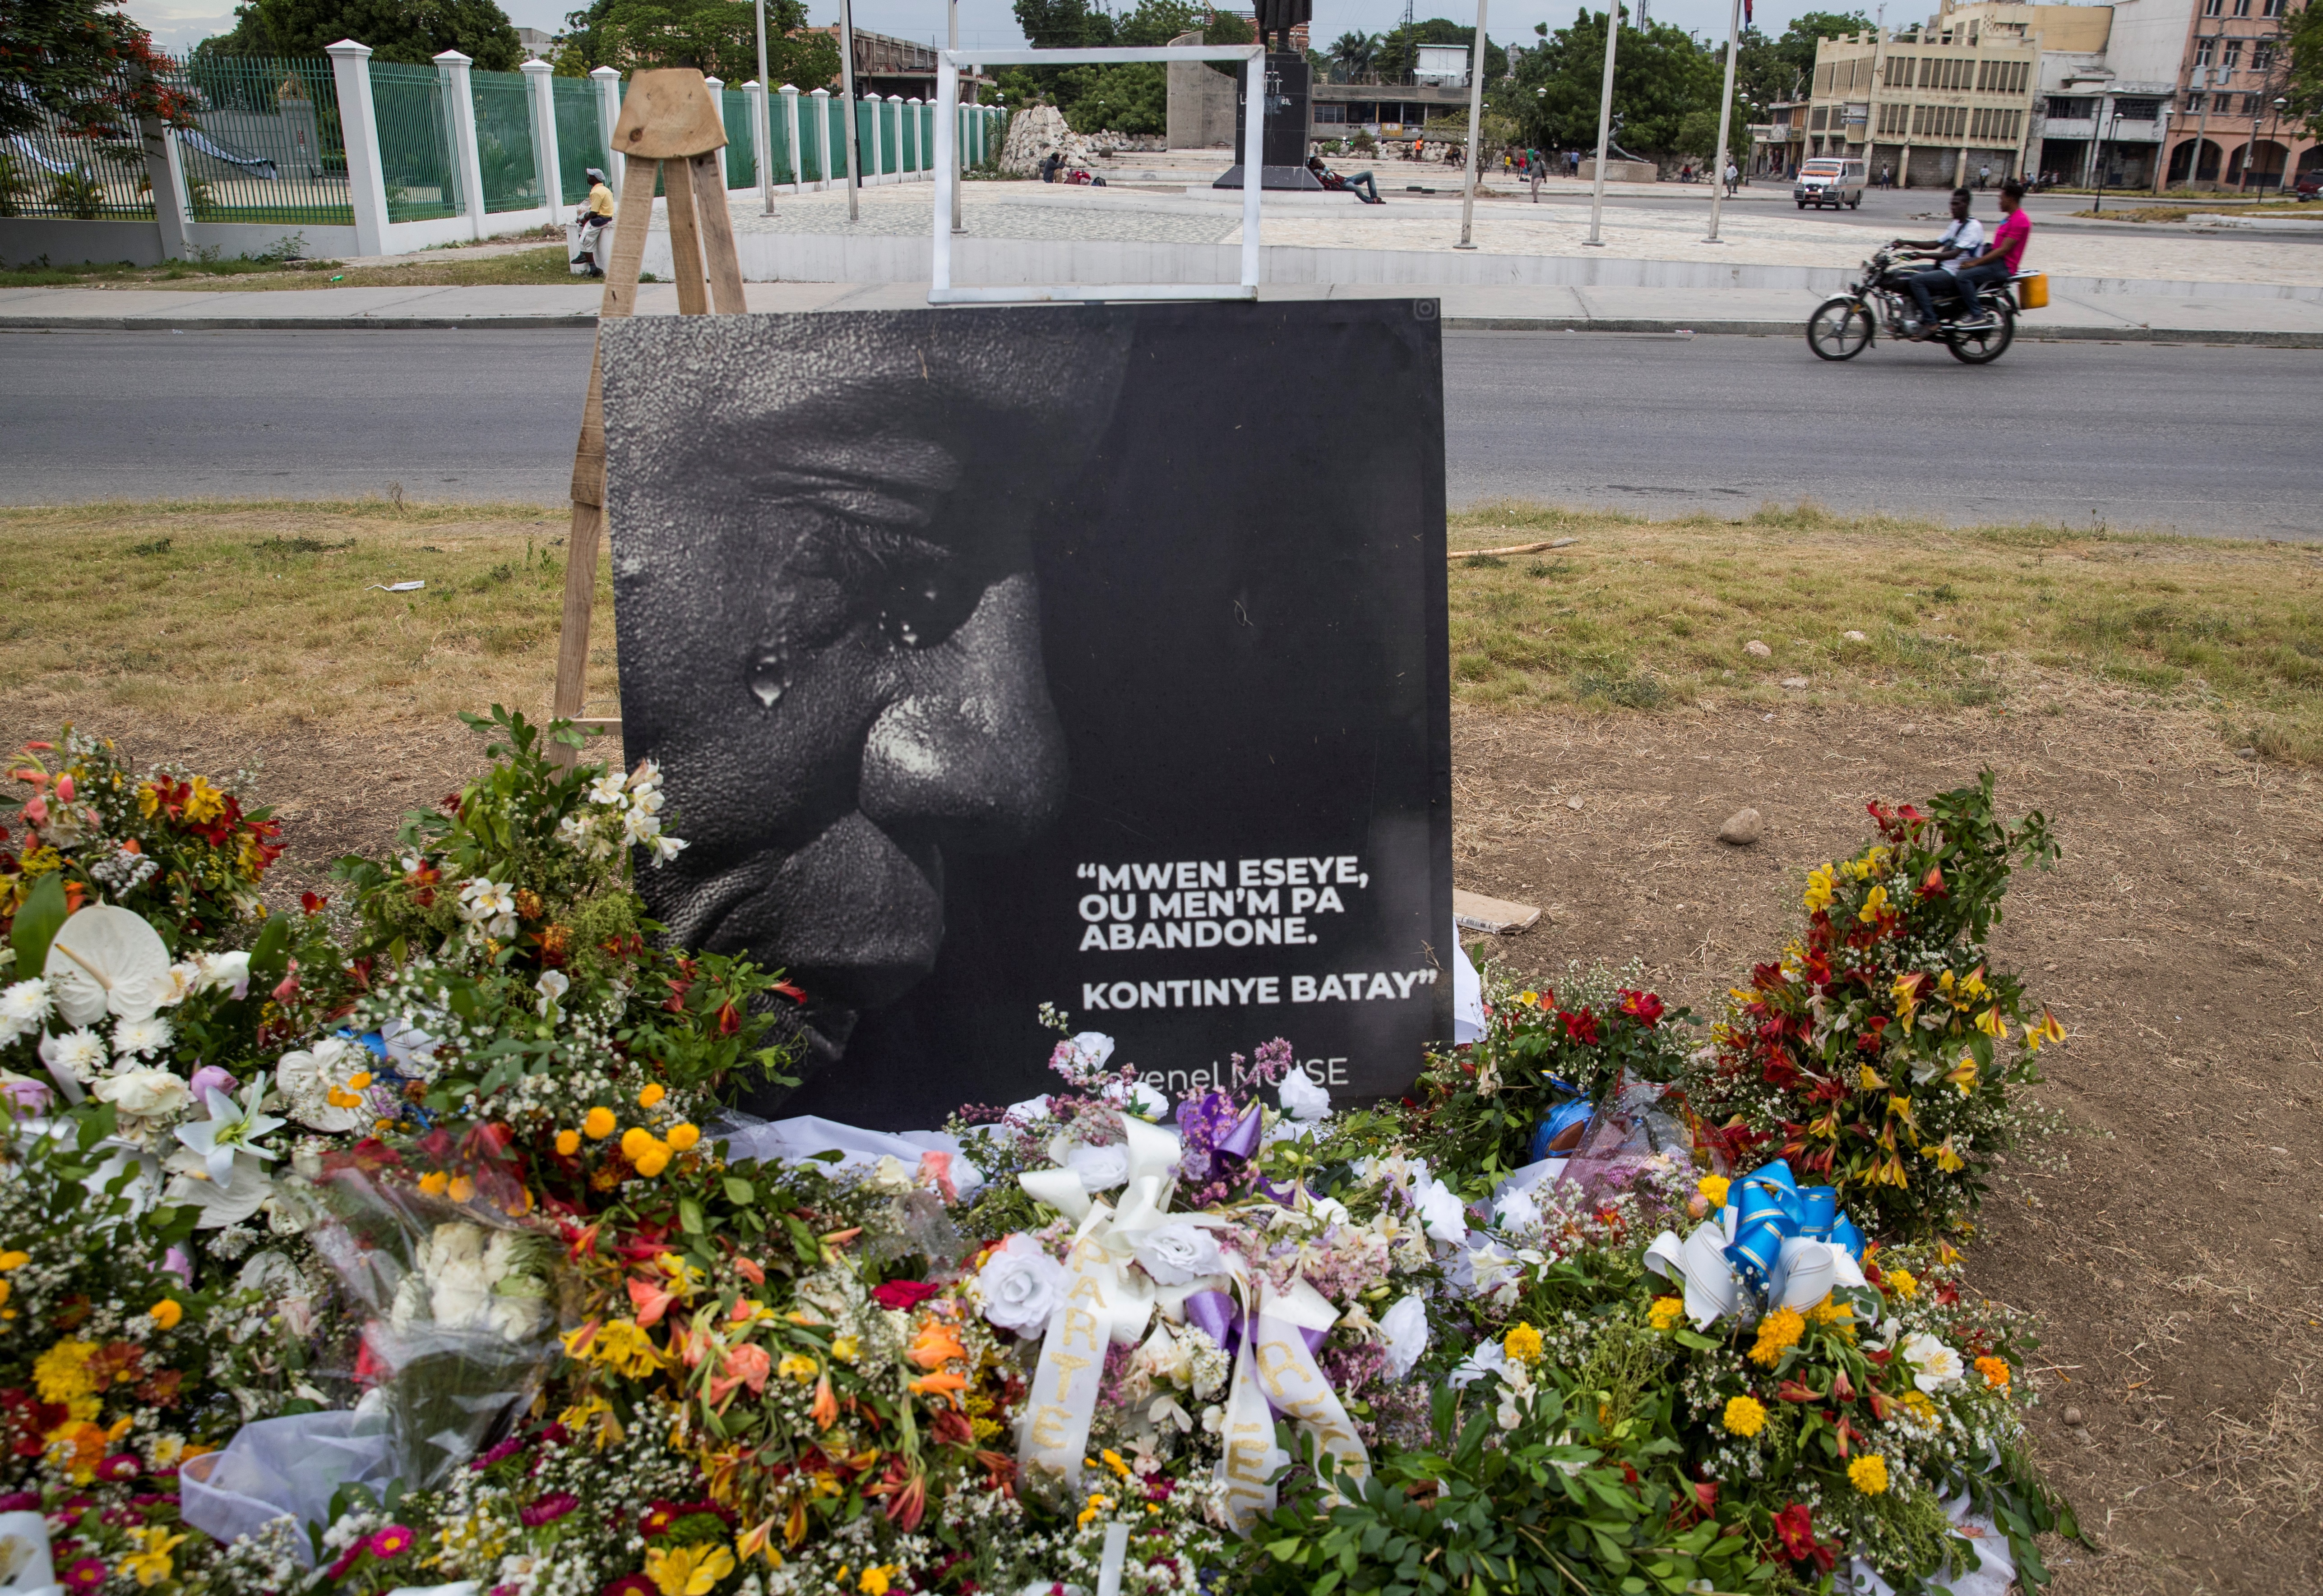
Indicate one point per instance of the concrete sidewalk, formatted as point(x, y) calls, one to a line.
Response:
point(1773, 312)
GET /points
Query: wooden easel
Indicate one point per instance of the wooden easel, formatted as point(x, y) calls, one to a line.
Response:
point(670, 129)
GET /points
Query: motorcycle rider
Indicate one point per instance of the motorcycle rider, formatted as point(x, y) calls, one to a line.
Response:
point(1961, 241)
point(596, 214)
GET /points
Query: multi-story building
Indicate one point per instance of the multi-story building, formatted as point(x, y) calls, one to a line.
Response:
point(1935, 105)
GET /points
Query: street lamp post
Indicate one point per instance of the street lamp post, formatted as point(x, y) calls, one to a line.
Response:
point(846, 92)
point(1604, 125)
point(1725, 109)
point(958, 212)
point(1475, 134)
point(762, 151)
point(2098, 207)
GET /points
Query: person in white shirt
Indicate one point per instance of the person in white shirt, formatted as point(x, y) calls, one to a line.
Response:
point(1961, 241)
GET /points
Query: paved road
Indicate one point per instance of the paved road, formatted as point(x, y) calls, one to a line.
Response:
point(2201, 439)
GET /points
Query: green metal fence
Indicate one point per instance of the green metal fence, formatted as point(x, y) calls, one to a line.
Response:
point(908, 124)
point(266, 144)
point(742, 146)
point(813, 131)
point(579, 135)
point(834, 141)
point(780, 162)
point(415, 142)
point(52, 169)
point(504, 146)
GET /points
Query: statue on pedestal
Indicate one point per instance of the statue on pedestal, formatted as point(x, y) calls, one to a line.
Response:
point(1276, 18)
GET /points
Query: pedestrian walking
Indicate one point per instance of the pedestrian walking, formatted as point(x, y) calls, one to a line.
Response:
point(1733, 178)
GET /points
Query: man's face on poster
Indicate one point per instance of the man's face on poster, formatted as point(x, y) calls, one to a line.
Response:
point(830, 638)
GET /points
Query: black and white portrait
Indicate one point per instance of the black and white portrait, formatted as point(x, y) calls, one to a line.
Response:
point(1092, 655)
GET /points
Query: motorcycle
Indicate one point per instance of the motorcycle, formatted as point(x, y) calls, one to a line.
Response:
point(1845, 325)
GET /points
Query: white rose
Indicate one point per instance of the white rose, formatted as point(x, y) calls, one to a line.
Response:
point(1303, 1098)
point(144, 1093)
point(1174, 1254)
point(1101, 1169)
point(1937, 1366)
point(1020, 1284)
point(1403, 1330)
point(1440, 1211)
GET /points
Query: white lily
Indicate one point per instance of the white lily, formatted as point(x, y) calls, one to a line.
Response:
point(232, 1127)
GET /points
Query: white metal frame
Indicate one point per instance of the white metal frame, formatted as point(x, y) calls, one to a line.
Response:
point(949, 63)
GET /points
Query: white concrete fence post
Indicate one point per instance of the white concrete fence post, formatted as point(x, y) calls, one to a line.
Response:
point(546, 159)
point(359, 126)
point(872, 165)
point(608, 112)
point(717, 88)
point(762, 145)
point(460, 106)
point(820, 109)
point(791, 122)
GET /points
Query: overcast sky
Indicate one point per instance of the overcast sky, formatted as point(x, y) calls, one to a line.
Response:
point(177, 25)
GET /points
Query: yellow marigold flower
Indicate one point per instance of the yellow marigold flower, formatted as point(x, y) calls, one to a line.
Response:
point(683, 1136)
point(1819, 889)
point(1920, 1405)
point(1868, 1474)
point(435, 1182)
point(598, 1124)
point(1665, 1311)
point(1779, 1332)
point(1744, 1416)
point(1096, 1504)
point(168, 1313)
point(1830, 1311)
point(846, 1348)
point(14, 1260)
point(1903, 1283)
point(688, 1571)
point(61, 1373)
point(796, 1366)
point(1713, 1190)
point(1113, 1461)
point(652, 1159)
point(652, 1095)
point(875, 1581)
point(635, 1140)
point(1522, 1344)
point(1995, 1372)
point(461, 1188)
point(568, 1143)
point(1873, 903)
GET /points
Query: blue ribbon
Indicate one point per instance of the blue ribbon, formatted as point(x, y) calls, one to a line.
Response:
point(1771, 1207)
point(1558, 1120)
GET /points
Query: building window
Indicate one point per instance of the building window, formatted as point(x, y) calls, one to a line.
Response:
point(2234, 54)
point(2194, 103)
point(1325, 112)
point(2069, 107)
point(2213, 8)
point(1819, 118)
point(2138, 110)
point(2242, 8)
point(1899, 71)
point(2261, 58)
point(2271, 9)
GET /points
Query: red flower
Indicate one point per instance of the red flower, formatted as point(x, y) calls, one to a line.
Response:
point(1794, 1529)
point(1580, 1026)
point(86, 1575)
point(633, 1584)
point(120, 1466)
point(729, 1019)
point(1643, 1007)
point(903, 1295)
point(548, 1509)
point(312, 902)
point(658, 1519)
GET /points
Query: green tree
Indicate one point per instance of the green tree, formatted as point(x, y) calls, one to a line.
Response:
point(412, 30)
point(1399, 48)
point(82, 61)
point(1352, 55)
point(1665, 89)
point(719, 38)
point(1783, 68)
point(2306, 67)
point(1130, 98)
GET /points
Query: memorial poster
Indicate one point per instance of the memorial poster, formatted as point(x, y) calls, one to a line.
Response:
point(1091, 655)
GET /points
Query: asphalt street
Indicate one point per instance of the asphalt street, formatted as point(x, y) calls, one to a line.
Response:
point(2188, 437)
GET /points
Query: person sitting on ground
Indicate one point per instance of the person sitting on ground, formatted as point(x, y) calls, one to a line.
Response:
point(1361, 185)
point(1051, 164)
point(1962, 241)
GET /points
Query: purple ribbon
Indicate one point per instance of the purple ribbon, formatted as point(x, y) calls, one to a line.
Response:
point(1219, 1135)
point(1214, 1313)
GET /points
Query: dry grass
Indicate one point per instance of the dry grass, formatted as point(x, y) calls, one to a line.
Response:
point(429, 268)
point(1657, 614)
point(266, 615)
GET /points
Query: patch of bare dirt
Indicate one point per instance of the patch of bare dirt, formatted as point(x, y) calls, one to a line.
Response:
point(2174, 1254)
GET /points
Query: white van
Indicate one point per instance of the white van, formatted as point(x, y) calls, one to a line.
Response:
point(1829, 180)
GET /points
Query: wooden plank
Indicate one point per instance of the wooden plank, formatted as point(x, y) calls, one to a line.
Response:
point(685, 239)
point(630, 224)
point(718, 235)
point(1513, 548)
point(1475, 912)
point(580, 596)
point(667, 114)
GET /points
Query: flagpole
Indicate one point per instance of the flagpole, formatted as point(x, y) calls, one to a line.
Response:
point(1475, 136)
point(1725, 110)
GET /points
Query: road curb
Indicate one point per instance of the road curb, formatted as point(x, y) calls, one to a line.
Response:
point(1670, 327)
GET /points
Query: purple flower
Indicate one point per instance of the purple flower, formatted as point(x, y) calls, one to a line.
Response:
point(210, 1078)
point(492, 1455)
point(20, 1501)
point(30, 1096)
point(179, 1264)
point(548, 1509)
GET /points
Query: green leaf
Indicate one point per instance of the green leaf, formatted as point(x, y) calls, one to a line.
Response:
point(740, 1192)
point(689, 1214)
point(37, 921)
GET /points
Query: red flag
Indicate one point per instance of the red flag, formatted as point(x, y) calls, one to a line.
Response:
point(1746, 12)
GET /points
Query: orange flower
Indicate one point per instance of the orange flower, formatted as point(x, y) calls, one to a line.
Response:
point(936, 1344)
point(1995, 1372)
point(742, 1365)
point(758, 1541)
point(750, 1271)
point(937, 1385)
point(825, 1412)
point(651, 1301)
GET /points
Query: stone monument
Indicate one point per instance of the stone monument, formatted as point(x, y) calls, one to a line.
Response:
point(1284, 130)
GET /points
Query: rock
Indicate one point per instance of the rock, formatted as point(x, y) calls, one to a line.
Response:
point(1855, 637)
point(1034, 135)
point(1794, 681)
point(1758, 650)
point(1572, 803)
point(2072, 1416)
point(1741, 828)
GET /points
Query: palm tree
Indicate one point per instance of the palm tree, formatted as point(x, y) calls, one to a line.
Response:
point(1353, 55)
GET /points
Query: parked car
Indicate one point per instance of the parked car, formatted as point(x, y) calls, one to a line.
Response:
point(2310, 184)
point(1829, 180)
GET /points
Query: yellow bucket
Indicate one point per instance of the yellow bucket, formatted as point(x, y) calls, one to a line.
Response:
point(2033, 292)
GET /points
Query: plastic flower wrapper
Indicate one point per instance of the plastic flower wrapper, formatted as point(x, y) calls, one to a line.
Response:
point(462, 1303)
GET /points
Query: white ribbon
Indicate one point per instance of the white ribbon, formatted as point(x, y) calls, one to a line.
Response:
point(1275, 1371)
point(1806, 1271)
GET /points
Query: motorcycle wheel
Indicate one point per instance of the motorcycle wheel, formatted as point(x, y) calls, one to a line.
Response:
point(1986, 345)
point(1839, 328)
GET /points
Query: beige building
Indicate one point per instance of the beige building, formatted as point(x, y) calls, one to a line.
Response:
point(1931, 106)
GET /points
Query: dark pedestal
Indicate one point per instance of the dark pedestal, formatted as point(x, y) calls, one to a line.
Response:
point(1285, 114)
